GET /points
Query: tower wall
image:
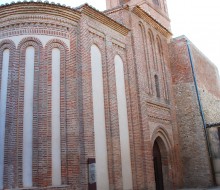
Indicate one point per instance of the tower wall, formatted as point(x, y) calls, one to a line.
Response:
point(158, 11)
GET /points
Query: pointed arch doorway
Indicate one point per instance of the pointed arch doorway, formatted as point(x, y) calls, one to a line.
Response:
point(158, 170)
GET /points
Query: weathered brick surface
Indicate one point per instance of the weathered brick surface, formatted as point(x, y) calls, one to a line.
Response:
point(211, 105)
point(152, 116)
point(209, 85)
point(197, 170)
point(157, 11)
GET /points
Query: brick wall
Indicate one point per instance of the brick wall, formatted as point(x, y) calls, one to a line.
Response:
point(153, 112)
point(209, 85)
point(158, 12)
point(194, 154)
point(151, 118)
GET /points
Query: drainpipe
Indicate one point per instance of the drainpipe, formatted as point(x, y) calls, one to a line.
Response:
point(201, 110)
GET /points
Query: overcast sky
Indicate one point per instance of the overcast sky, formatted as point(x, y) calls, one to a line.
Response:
point(199, 20)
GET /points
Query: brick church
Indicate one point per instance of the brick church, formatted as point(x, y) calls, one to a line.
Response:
point(104, 100)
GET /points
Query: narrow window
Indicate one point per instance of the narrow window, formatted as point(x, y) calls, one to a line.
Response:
point(28, 117)
point(3, 101)
point(152, 50)
point(142, 52)
point(56, 152)
point(163, 70)
point(157, 86)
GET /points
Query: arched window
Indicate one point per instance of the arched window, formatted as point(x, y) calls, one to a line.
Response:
point(157, 85)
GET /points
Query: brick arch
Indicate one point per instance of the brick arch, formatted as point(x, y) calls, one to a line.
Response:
point(120, 54)
point(143, 33)
point(161, 132)
point(20, 71)
point(56, 43)
point(64, 53)
point(29, 41)
point(99, 46)
point(100, 43)
point(102, 50)
point(159, 44)
point(161, 137)
point(141, 24)
point(151, 38)
point(150, 34)
point(145, 50)
point(10, 146)
point(125, 67)
point(7, 44)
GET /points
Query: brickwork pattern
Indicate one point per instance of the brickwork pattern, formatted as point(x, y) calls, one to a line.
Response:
point(10, 142)
point(41, 107)
point(143, 65)
point(209, 85)
point(144, 51)
point(194, 152)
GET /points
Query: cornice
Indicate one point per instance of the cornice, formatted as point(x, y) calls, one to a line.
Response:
point(149, 19)
point(158, 105)
point(37, 8)
point(102, 18)
point(36, 20)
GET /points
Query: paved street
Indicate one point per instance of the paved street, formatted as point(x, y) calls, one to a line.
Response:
point(214, 188)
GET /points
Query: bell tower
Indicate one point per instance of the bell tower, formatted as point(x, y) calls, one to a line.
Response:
point(155, 8)
point(114, 3)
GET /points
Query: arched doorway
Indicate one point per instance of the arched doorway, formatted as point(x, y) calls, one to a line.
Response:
point(158, 171)
point(161, 165)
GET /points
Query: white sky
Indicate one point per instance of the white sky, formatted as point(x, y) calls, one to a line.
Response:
point(199, 20)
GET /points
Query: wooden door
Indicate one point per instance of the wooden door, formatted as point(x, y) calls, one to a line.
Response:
point(158, 167)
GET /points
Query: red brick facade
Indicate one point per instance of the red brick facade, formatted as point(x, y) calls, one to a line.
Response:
point(142, 41)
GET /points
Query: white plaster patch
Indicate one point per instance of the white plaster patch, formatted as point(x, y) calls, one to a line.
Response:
point(56, 152)
point(28, 117)
point(123, 125)
point(99, 120)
